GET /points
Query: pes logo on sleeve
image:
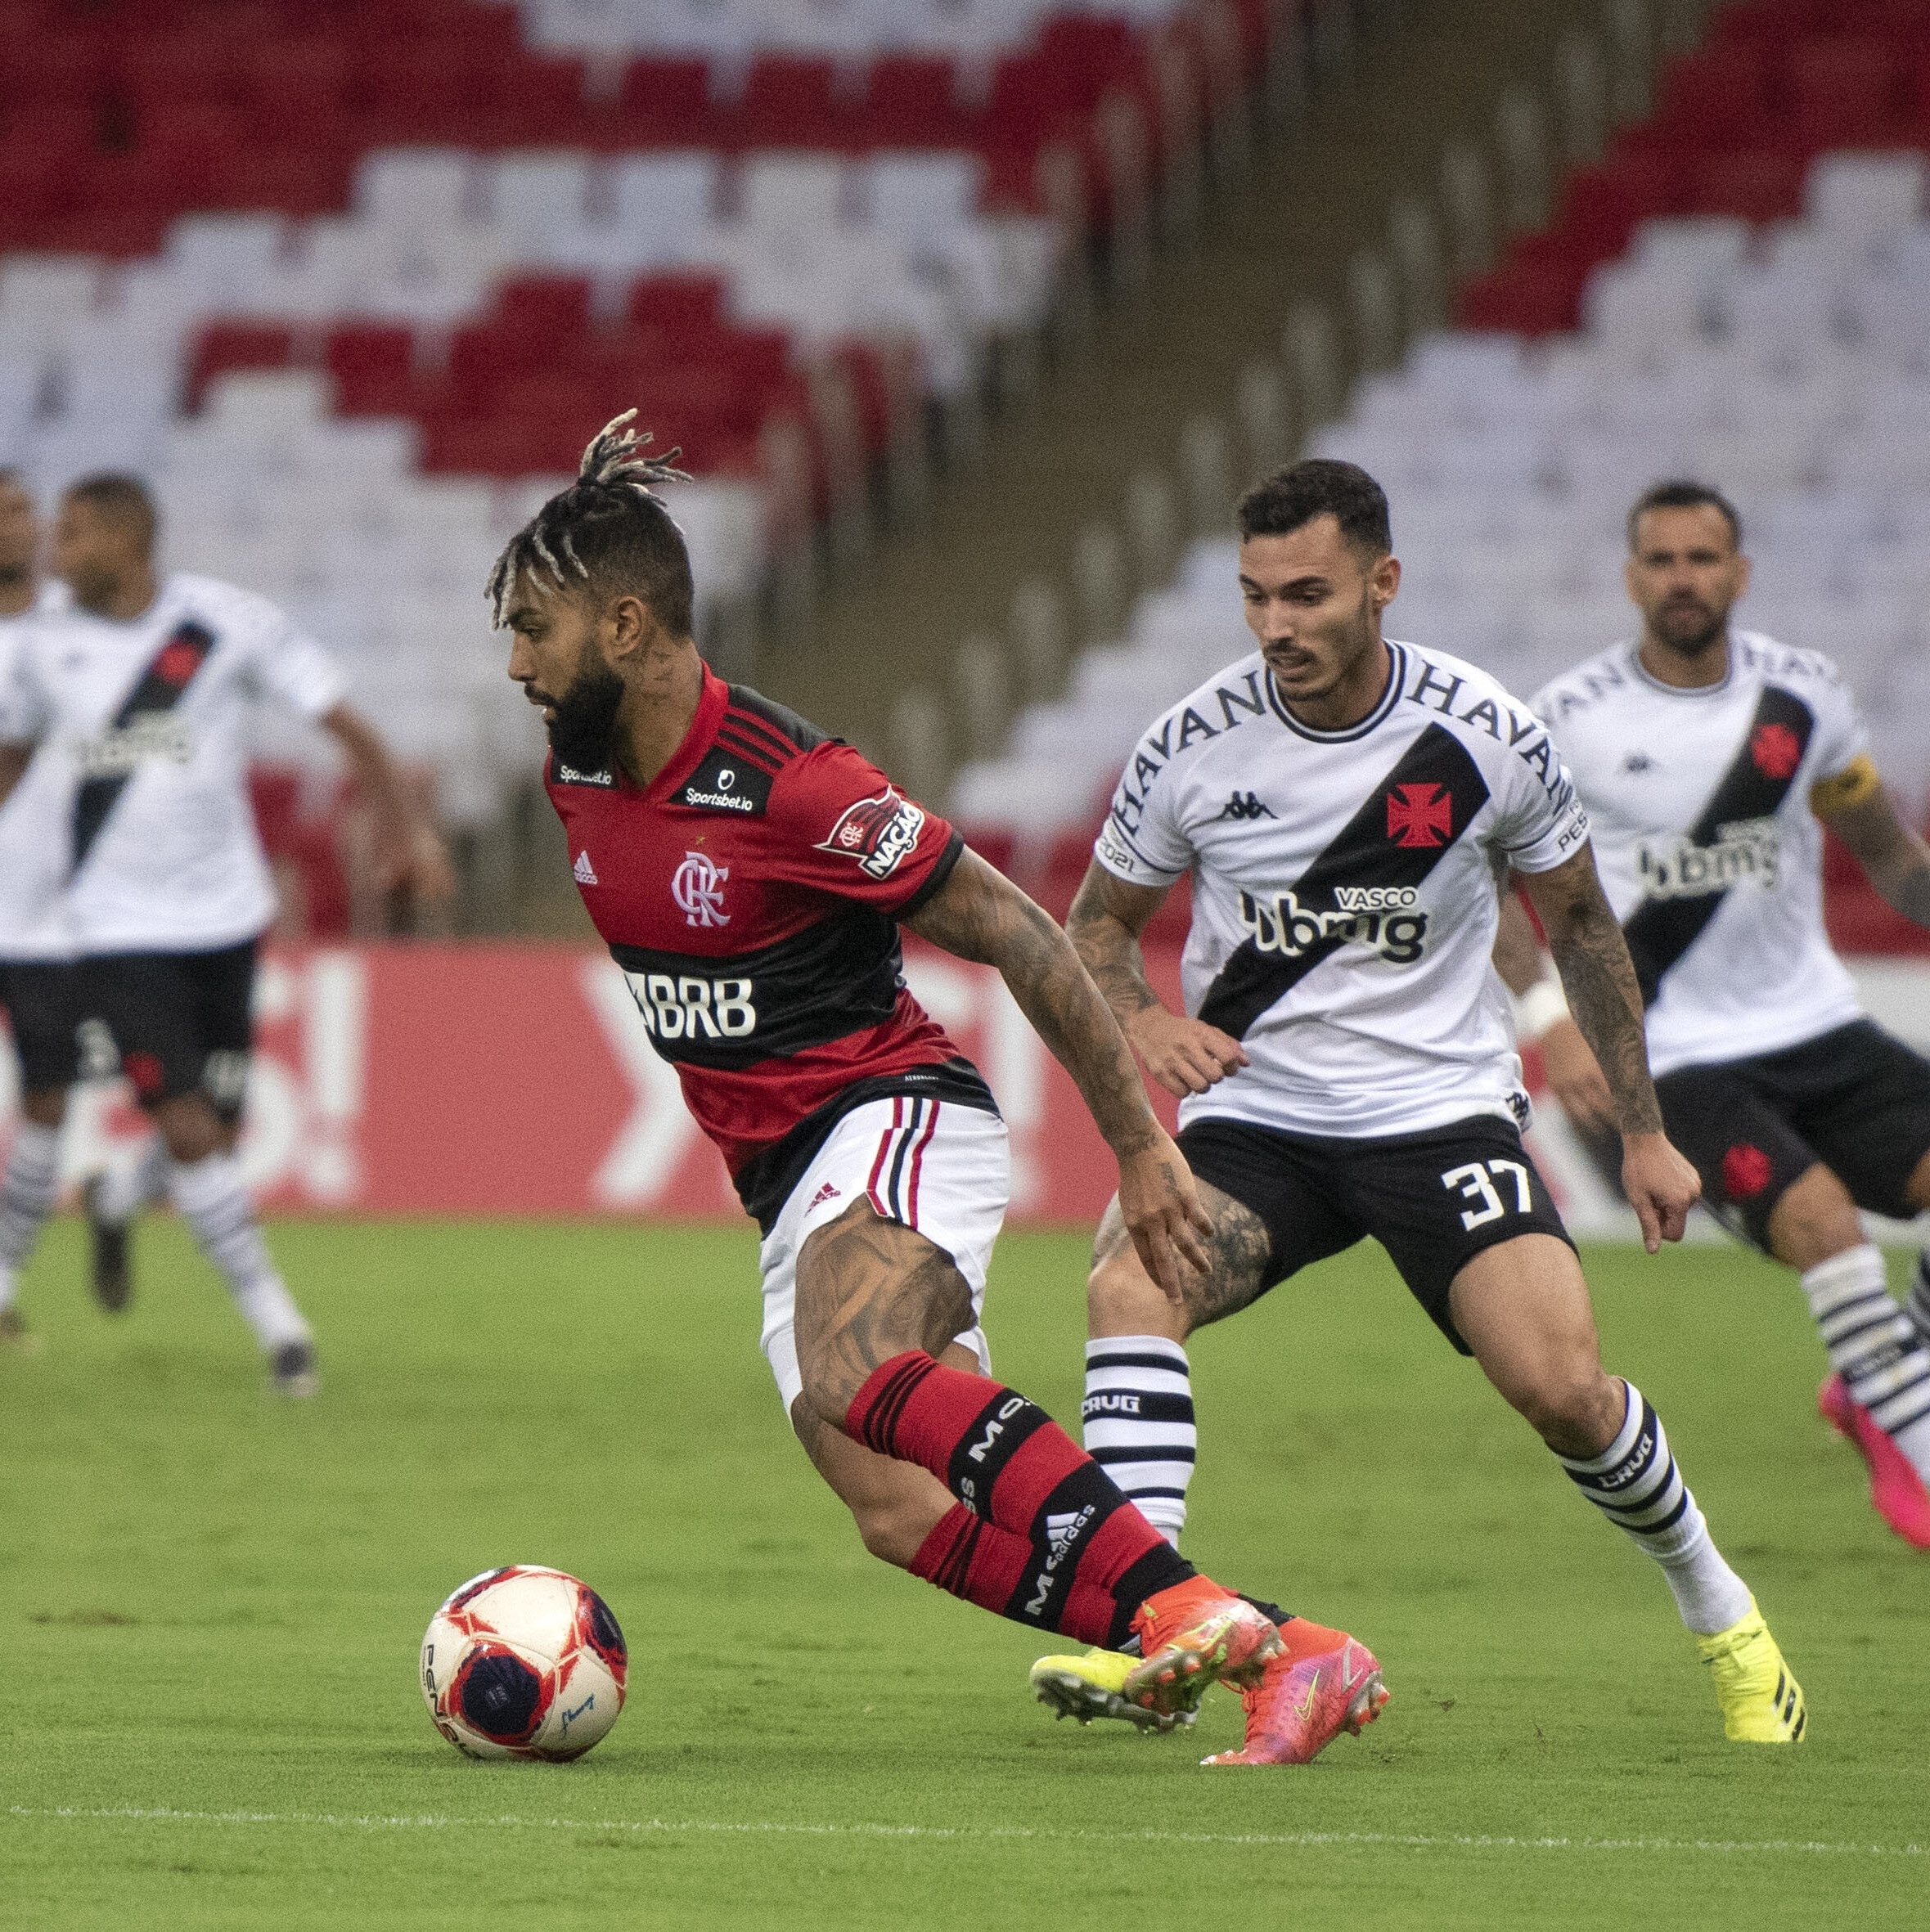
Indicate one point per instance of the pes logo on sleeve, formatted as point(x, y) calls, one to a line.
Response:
point(877, 832)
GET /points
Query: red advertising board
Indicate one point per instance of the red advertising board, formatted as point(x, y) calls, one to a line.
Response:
point(518, 1079)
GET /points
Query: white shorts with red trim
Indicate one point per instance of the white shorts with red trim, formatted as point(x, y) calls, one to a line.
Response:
point(936, 1165)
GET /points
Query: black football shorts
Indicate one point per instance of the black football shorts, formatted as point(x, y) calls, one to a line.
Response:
point(1855, 1098)
point(1433, 1200)
point(39, 999)
point(181, 1022)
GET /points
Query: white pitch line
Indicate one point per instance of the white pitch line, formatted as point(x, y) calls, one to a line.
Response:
point(1398, 1840)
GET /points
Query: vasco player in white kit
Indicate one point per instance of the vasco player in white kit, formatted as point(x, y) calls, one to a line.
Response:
point(36, 970)
point(750, 876)
point(1345, 805)
point(1709, 760)
point(137, 694)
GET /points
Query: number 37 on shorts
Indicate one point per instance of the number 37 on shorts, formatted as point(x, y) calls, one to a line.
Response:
point(1496, 1187)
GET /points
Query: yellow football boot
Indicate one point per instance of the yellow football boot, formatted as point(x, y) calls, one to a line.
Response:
point(1761, 1699)
point(1094, 1685)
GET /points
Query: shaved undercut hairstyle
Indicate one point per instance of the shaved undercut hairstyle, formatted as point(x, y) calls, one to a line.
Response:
point(117, 498)
point(1316, 486)
point(608, 533)
point(1682, 492)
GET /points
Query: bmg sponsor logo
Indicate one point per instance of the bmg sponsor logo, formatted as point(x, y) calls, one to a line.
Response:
point(1381, 918)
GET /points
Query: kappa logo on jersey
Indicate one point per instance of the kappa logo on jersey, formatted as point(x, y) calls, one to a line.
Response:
point(877, 832)
point(1420, 814)
point(1283, 925)
point(698, 888)
point(1245, 804)
point(688, 1006)
point(1753, 850)
point(583, 872)
point(1775, 750)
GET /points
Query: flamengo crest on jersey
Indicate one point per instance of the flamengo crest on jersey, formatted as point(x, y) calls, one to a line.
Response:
point(1708, 850)
point(1344, 903)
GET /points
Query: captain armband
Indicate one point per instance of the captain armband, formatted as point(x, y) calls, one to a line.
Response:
point(1855, 784)
point(1539, 1008)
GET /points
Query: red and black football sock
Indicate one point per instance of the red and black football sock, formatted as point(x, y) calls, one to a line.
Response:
point(1090, 1558)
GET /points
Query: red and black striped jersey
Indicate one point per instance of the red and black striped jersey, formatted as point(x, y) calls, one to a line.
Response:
point(752, 893)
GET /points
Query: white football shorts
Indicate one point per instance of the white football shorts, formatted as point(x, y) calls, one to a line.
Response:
point(936, 1165)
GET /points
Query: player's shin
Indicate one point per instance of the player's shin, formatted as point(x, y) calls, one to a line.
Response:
point(212, 1199)
point(1635, 1483)
point(1878, 1348)
point(1139, 1425)
point(1917, 1304)
point(27, 1195)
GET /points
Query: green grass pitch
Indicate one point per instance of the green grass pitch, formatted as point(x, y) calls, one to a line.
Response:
point(210, 1605)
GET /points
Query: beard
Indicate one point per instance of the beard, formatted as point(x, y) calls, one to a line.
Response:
point(1690, 628)
point(583, 733)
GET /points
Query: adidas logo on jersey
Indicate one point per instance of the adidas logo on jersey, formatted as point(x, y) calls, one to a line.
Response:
point(826, 1192)
point(583, 872)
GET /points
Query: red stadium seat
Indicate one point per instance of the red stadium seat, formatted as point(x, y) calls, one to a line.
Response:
point(792, 102)
point(690, 304)
point(559, 304)
point(911, 101)
point(223, 346)
point(666, 103)
point(1844, 93)
point(1711, 99)
point(1757, 185)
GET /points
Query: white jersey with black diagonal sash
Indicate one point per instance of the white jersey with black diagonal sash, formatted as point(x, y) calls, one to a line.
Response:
point(143, 726)
point(1708, 848)
point(1344, 896)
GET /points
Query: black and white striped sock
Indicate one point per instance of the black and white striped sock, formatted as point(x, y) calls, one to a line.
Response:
point(1875, 1346)
point(28, 1192)
point(1138, 1415)
point(1635, 1483)
point(213, 1200)
point(1917, 1304)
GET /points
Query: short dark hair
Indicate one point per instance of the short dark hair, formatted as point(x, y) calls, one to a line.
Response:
point(119, 498)
point(609, 529)
point(1318, 486)
point(1682, 492)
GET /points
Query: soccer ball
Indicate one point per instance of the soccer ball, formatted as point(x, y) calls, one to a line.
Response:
point(524, 1662)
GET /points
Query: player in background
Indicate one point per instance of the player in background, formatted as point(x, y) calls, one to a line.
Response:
point(138, 694)
point(750, 876)
point(36, 971)
point(1709, 760)
point(1345, 804)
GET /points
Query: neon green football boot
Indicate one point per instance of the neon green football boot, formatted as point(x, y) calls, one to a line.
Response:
point(1761, 1699)
point(1094, 1685)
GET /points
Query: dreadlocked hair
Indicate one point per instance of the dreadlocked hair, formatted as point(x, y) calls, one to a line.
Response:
point(609, 530)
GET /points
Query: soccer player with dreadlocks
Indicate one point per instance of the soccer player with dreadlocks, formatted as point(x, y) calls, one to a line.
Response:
point(750, 875)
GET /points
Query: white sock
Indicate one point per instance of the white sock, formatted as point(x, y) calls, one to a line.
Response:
point(1635, 1483)
point(127, 1187)
point(28, 1192)
point(1874, 1346)
point(1139, 1428)
point(213, 1202)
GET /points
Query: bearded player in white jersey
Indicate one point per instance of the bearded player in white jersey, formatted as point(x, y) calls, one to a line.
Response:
point(137, 696)
point(1709, 760)
point(1345, 805)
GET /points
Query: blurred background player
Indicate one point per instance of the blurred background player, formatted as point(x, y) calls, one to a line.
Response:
point(139, 693)
point(1345, 804)
point(750, 875)
point(36, 974)
point(1709, 761)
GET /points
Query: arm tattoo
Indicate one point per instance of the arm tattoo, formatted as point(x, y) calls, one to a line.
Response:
point(1604, 999)
point(980, 914)
point(1239, 1251)
point(1109, 947)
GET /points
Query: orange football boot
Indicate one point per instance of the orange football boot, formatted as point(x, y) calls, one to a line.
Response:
point(1319, 1684)
point(1194, 1634)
